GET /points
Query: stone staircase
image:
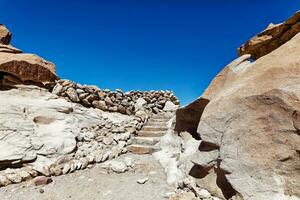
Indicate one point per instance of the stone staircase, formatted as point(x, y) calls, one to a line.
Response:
point(150, 134)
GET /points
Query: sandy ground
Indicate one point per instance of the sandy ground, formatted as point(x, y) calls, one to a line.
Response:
point(98, 184)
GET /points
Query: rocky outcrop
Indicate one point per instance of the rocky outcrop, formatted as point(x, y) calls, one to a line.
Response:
point(20, 68)
point(128, 103)
point(270, 39)
point(249, 126)
point(26, 68)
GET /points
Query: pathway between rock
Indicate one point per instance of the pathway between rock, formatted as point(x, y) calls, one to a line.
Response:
point(147, 138)
point(98, 183)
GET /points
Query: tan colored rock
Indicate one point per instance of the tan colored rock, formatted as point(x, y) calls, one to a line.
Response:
point(5, 35)
point(184, 196)
point(253, 121)
point(100, 105)
point(72, 94)
point(188, 117)
point(42, 180)
point(27, 67)
point(9, 49)
point(271, 38)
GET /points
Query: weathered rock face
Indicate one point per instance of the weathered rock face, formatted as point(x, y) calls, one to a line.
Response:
point(5, 35)
point(250, 127)
point(27, 67)
point(271, 38)
point(188, 117)
point(17, 67)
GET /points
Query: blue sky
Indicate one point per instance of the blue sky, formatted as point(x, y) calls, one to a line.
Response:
point(144, 45)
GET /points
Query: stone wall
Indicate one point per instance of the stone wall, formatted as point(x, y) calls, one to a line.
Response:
point(115, 101)
point(82, 136)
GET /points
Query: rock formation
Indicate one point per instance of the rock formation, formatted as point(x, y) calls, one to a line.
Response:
point(17, 67)
point(273, 37)
point(249, 123)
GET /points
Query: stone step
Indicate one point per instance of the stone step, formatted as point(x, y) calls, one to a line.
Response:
point(146, 140)
point(143, 133)
point(158, 120)
point(142, 149)
point(155, 128)
point(156, 124)
point(161, 117)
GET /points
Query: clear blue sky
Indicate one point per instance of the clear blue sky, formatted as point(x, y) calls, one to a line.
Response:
point(126, 44)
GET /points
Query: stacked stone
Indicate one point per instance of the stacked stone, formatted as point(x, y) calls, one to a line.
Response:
point(114, 101)
point(10, 176)
point(95, 144)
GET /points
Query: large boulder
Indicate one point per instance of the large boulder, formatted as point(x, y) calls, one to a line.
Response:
point(250, 128)
point(27, 67)
point(17, 67)
point(188, 117)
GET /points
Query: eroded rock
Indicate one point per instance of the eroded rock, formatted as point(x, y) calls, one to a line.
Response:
point(252, 122)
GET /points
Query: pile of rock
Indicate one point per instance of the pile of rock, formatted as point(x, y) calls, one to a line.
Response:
point(21, 68)
point(116, 101)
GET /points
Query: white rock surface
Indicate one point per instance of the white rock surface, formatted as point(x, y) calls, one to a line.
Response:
point(170, 106)
point(116, 166)
point(43, 125)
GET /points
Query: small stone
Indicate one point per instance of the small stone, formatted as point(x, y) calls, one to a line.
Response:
point(42, 180)
point(41, 190)
point(115, 152)
point(90, 158)
point(116, 166)
point(142, 181)
point(120, 129)
point(14, 178)
point(78, 164)
point(80, 91)
point(105, 156)
point(24, 175)
point(155, 110)
point(84, 163)
point(204, 194)
point(121, 109)
point(72, 94)
point(56, 171)
point(83, 96)
point(128, 162)
point(139, 105)
point(124, 136)
point(170, 106)
point(108, 101)
point(100, 105)
point(4, 181)
point(113, 109)
point(108, 140)
point(57, 89)
point(66, 168)
point(121, 144)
